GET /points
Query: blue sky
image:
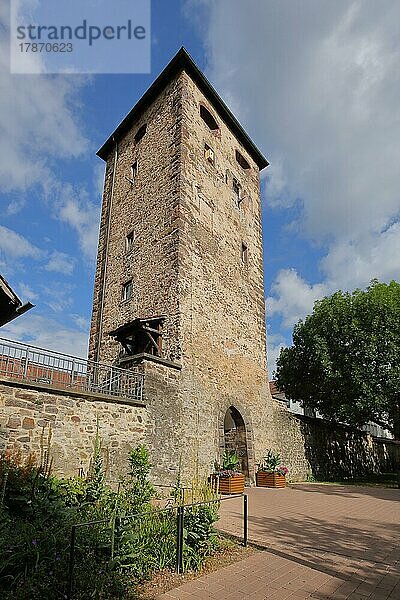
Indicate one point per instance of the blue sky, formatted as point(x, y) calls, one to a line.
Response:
point(317, 86)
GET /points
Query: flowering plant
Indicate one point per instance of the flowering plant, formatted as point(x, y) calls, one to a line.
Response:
point(270, 464)
point(221, 473)
point(282, 470)
point(230, 460)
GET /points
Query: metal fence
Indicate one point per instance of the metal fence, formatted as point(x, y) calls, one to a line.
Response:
point(173, 519)
point(23, 362)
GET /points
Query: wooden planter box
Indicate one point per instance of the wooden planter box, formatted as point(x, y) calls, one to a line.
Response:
point(271, 480)
point(230, 485)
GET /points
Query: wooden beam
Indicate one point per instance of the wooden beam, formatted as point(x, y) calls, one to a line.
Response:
point(151, 330)
point(153, 341)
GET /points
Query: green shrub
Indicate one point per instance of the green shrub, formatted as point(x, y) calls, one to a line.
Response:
point(37, 512)
point(147, 543)
point(95, 481)
point(72, 491)
point(135, 490)
point(199, 535)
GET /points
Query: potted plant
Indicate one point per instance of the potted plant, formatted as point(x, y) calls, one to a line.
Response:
point(270, 472)
point(228, 479)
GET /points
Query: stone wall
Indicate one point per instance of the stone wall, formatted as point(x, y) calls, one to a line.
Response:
point(25, 411)
point(318, 448)
point(310, 447)
point(163, 399)
point(290, 443)
point(387, 454)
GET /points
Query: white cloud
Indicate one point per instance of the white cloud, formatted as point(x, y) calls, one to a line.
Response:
point(83, 216)
point(59, 297)
point(292, 297)
point(46, 333)
point(317, 85)
point(37, 122)
point(14, 246)
point(61, 263)
point(277, 185)
point(274, 344)
point(16, 205)
point(345, 267)
point(27, 293)
point(324, 83)
point(98, 179)
point(351, 264)
point(81, 322)
point(39, 112)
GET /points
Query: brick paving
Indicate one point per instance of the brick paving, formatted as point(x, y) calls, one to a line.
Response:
point(321, 542)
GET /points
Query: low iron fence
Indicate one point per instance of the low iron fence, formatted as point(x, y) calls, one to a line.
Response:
point(168, 525)
point(22, 362)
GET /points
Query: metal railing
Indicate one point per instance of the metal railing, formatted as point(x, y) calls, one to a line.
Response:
point(23, 362)
point(176, 516)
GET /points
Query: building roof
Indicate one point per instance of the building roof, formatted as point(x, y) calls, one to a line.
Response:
point(10, 305)
point(127, 327)
point(273, 388)
point(276, 393)
point(182, 61)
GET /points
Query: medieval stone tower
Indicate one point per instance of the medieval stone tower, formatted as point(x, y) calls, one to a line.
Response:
point(179, 281)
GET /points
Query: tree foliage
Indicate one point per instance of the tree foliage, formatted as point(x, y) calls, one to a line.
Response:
point(345, 357)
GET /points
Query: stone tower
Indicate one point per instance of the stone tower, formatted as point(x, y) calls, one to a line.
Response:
point(179, 281)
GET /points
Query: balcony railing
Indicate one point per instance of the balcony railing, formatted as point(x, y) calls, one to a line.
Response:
point(27, 363)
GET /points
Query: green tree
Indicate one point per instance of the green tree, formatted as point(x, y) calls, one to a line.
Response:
point(345, 357)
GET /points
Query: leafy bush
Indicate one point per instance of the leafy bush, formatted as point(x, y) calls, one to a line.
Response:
point(35, 529)
point(147, 543)
point(26, 489)
point(37, 511)
point(96, 488)
point(229, 466)
point(230, 460)
point(136, 491)
point(199, 535)
point(72, 491)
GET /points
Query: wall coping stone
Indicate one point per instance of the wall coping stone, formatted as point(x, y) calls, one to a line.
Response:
point(90, 396)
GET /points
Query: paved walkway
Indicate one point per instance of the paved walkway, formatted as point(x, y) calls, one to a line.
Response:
point(322, 542)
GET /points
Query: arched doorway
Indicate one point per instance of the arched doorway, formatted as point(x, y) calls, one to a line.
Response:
point(235, 438)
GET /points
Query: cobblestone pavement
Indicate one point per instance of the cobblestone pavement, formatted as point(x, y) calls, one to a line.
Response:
point(321, 542)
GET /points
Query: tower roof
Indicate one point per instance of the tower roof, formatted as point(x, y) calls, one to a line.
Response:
point(11, 306)
point(182, 61)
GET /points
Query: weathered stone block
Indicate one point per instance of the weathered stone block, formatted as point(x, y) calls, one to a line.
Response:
point(14, 422)
point(25, 395)
point(14, 402)
point(49, 417)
